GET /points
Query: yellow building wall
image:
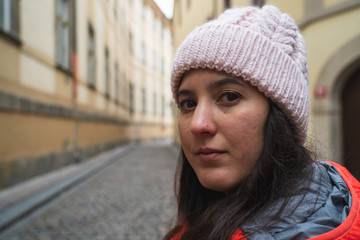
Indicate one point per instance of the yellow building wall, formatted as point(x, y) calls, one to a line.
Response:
point(186, 17)
point(240, 3)
point(25, 135)
point(94, 133)
point(9, 63)
point(38, 131)
point(323, 39)
point(330, 3)
point(295, 8)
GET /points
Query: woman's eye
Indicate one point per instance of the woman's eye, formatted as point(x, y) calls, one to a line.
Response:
point(229, 97)
point(187, 104)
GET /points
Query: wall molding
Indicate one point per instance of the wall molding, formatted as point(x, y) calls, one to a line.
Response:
point(314, 11)
point(12, 103)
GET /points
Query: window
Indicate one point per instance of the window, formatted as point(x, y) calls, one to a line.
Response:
point(155, 103)
point(154, 22)
point(154, 59)
point(180, 13)
point(124, 90)
point(259, 3)
point(107, 74)
point(143, 52)
point(115, 8)
point(162, 66)
point(91, 57)
point(162, 32)
point(162, 106)
point(131, 98)
point(227, 4)
point(63, 32)
point(143, 11)
point(9, 17)
point(117, 83)
point(143, 100)
point(131, 42)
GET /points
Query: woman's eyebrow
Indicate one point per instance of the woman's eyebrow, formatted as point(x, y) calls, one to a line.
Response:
point(225, 81)
point(184, 92)
point(215, 85)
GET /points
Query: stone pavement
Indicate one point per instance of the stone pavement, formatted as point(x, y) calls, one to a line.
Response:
point(130, 199)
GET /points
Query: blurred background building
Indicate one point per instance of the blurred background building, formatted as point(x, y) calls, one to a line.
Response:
point(78, 77)
point(332, 34)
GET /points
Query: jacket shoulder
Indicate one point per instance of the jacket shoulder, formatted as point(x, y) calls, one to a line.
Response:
point(350, 228)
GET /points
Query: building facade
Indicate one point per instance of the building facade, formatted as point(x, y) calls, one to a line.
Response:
point(78, 77)
point(332, 36)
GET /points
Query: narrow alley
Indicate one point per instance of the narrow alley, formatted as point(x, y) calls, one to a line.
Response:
point(131, 198)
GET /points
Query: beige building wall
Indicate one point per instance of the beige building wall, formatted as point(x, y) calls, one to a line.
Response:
point(151, 44)
point(333, 44)
point(188, 14)
point(332, 35)
point(50, 116)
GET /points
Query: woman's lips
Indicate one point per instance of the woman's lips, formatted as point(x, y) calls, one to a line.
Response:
point(209, 154)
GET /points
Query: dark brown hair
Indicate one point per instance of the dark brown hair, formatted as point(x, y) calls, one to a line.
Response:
point(280, 168)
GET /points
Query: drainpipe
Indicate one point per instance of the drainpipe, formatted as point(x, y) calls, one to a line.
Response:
point(76, 152)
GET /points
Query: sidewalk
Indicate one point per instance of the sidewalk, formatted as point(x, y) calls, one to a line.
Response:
point(24, 198)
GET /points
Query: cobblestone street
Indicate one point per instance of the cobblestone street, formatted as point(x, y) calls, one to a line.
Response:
point(131, 199)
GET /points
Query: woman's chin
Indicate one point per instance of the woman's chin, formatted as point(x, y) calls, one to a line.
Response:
point(216, 185)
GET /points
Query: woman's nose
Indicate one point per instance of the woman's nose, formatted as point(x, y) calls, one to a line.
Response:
point(203, 122)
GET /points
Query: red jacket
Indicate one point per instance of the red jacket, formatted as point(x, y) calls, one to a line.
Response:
point(348, 230)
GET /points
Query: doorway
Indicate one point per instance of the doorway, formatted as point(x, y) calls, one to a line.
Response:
point(350, 101)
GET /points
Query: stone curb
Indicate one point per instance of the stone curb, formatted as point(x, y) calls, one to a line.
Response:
point(18, 206)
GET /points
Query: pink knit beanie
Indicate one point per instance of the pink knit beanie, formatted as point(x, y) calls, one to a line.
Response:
point(261, 45)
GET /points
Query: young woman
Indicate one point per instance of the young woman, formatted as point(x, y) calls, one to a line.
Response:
point(240, 83)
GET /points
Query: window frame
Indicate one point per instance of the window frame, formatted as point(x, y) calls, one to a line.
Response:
point(143, 100)
point(91, 58)
point(107, 73)
point(258, 3)
point(117, 84)
point(10, 21)
point(64, 35)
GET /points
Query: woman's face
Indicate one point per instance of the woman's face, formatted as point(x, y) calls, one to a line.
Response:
point(221, 126)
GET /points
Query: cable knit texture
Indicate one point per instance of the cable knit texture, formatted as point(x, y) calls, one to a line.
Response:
point(261, 45)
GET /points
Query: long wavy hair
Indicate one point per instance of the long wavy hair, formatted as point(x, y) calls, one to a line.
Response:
point(280, 168)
